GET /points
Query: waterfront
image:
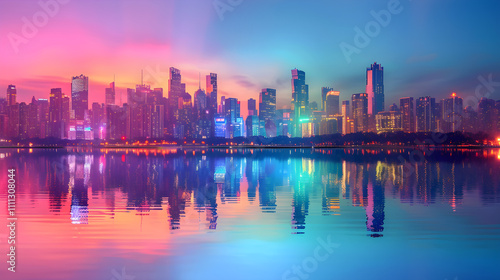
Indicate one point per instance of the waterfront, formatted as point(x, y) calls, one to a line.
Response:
point(254, 214)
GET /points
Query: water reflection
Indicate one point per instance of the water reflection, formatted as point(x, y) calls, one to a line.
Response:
point(180, 180)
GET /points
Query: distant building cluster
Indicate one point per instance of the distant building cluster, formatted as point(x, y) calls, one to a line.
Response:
point(149, 114)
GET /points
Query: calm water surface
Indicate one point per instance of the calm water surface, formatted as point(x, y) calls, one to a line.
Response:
point(253, 214)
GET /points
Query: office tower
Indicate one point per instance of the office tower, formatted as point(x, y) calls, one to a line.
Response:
point(425, 114)
point(154, 97)
point(360, 112)
point(487, 115)
point(375, 88)
point(267, 112)
point(232, 112)
point(200, 102)
point(393, 107)
point(212, 93)
point(157, 121)
point(98, 120)
point(13, 118)
point(23, 120)
point(11, 95)
point(252, 107)
point(80, 96)
point(66, 117)
point(332, 103)
point(324, 92)
point(110, 95)
point(346, 117)
point(220, 123)
point(300, 101)
point(33, 122)
point(470, 120)
point(452, 113)
point(283, 125)
point(3, 106)
point(253, 125)
point(116, 118)
point(389, 121)
point(407, 112)
point(176, 88)
point(56, 113)
point(43, 118)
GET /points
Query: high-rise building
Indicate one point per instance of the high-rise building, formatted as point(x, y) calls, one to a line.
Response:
point(470, 120)
point(252, 107)
point(11, 95)
point(360, 112)
point(408, 114)
point(33, 123)
point(116, 119)
point(80, 96)
point(425, 114)
point(98, 121)
point(176, 88)
point(487, 115)
point(324, 92)
point(23, 120)
point(332, 103)
point(346, 117)
point(452, 113)
point(43, 117)
point(267, 112)
point(111, 94)
point(56, 113)
point(253, 125)
point(375, 88)
point(212, 93)
point(200, 101)
point(389, 121)
point(300, 101)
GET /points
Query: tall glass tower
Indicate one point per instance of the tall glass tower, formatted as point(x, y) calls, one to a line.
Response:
point(300, 101)
point(375, 88)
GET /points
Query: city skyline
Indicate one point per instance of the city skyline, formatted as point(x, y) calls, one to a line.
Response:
point(149, 113)
point(109, 42)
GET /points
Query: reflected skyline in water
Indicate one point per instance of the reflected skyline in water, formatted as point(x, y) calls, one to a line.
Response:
point(181, 181)
point(146, 208)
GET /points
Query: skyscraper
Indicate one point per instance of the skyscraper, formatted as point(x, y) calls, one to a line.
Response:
point(360, 112)
point(332, 103)
point(212, 93)
point(111, 94)
point(80, 96)
point(346, 117)
point(56, 113)
point(487, 115)
point(300, 101)
point(176, 88)
point(324, 92)
point(375, 88)
point(252, 107)
point(425, 114)
point(267, 112)
point(407, 112)
point(452, 113)
point(11, 95)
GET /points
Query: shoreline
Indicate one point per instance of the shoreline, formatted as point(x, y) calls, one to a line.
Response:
point(258, 147)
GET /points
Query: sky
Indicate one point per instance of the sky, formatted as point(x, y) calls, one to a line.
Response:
point(426, 47)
